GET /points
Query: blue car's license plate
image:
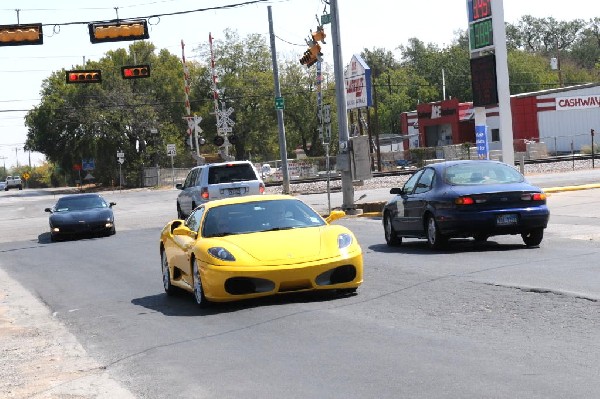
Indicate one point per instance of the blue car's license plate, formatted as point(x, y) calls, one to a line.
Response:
point(506, 220)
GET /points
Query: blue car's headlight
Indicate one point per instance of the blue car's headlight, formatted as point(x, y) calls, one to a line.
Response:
point(221, 253)
point(344, 240)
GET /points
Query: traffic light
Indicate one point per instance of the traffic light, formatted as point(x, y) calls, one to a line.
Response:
point(17, 35)
point(118, 31)
point(84, 76)
point(319, 35)
point(312, 55)
point(135, 71)
point(232, 139)
point(218, 141)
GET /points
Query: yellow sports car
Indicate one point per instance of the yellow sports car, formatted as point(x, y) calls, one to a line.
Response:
point(253, 246)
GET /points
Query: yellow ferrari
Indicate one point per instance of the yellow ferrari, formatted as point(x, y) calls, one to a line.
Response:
point(253, 246)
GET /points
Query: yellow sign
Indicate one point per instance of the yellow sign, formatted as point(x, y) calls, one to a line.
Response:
point(26, 176)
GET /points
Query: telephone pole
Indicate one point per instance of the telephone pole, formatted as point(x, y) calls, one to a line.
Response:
point(343, 157)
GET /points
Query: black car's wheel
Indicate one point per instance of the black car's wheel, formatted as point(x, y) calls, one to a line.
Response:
point(198, 291)
point(391, 238)
point(166, 274)
point(180, 214)
point(435, 239)
point(533, 238)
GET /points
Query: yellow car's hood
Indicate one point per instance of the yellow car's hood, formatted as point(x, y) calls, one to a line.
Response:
point(283, 246)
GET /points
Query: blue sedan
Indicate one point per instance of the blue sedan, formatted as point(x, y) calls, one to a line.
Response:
point(468, 198)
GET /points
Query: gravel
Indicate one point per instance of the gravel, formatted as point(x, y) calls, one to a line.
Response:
point(398, 180)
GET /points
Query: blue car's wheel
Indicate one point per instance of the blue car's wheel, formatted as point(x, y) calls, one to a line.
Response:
point(391, 238)
point(435, 239)
point(533, 238)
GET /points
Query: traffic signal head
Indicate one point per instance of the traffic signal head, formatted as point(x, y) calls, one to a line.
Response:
point(232, 139)
point(312, 55)
point(135, 71)
point(17, 35)
point(84, 76)
point(118, 31)
point(319, 35)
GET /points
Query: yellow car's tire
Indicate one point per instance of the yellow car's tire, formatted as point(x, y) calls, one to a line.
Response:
point(166, 274)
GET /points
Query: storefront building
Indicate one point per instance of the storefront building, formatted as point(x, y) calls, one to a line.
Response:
point(562, 118)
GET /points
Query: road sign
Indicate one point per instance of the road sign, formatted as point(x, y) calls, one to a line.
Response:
point(171, 150)
point(279, 103)
point(121, 160)
point(26, 176)
point(120, 155)
point(87, 164)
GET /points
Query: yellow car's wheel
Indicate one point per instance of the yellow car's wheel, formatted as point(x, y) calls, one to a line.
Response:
point(166, 274)
point(198, 291)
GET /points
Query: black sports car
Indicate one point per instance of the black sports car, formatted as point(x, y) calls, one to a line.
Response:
point(476, 199)
point(81, 214)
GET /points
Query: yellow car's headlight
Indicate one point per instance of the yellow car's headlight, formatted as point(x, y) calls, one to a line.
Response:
point(221, 253)
point(344, 240)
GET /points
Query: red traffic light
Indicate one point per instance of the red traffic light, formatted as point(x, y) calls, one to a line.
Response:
point(84, 76)
point(135, 71)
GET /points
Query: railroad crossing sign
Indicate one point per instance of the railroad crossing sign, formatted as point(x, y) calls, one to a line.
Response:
point(171, 150)
point(224, 123)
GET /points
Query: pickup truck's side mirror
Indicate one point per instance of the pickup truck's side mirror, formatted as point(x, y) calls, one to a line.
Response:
point(396, 190)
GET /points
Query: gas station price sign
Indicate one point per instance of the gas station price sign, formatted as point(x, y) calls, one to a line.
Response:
point(481, 32)
point(479, 9)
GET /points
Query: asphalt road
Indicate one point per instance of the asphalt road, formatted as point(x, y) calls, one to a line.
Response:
point(474, 321)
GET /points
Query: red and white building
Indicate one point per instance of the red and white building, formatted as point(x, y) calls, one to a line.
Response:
point(561, 118)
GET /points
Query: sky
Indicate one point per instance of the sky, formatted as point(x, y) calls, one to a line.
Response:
point(363, 24)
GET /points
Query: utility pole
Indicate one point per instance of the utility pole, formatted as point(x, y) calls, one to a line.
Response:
point(343, 158)
point(4, 162)
point(280, 125)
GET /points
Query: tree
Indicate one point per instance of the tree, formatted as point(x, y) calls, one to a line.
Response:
point(94, 121)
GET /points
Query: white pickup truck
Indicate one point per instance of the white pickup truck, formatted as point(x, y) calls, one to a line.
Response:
point(13, 182)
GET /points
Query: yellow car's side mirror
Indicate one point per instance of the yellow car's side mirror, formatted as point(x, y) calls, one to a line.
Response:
point(184, 231)
point(335, 215)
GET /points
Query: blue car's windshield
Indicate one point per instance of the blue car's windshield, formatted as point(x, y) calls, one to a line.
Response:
point(472, 173)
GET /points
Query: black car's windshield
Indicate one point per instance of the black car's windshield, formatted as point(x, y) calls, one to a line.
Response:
point(258, 216)
point(471, 173)
point(79, 204)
